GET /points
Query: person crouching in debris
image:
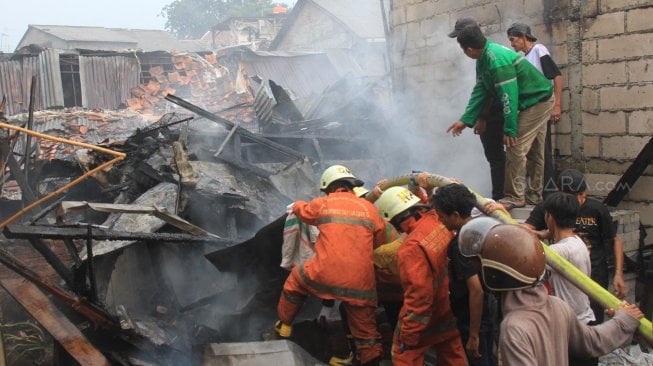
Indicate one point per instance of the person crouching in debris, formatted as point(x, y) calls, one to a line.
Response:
point(425, 319)
point(342, 268)
point(537, 329)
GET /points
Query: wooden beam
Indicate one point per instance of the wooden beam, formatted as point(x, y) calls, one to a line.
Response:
point(16, 172)
point(54, 322)
point(239, 130)
point(52, 232)
point(91, 311)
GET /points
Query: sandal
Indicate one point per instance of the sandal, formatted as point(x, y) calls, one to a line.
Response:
point(509, 204)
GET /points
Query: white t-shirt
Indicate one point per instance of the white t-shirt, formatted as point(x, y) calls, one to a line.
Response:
point(534, 55)
point(575, 251)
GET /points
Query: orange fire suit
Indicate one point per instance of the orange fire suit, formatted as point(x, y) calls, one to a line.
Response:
point(343, 266)
point(426, 319)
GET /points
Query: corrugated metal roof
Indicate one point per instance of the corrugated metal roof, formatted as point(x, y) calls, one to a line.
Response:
point(264, 102)
point(303, 75)
point(143, 39)
point(88, 34)
point(363, 17)
point(106, 81)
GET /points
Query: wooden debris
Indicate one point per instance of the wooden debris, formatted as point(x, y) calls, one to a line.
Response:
point(50, 318)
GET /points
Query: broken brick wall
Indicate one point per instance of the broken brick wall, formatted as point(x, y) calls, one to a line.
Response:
point(603, 48)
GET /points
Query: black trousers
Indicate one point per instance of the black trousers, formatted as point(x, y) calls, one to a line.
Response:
point(492, 140)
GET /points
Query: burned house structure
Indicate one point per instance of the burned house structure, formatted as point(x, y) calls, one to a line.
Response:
point(254, 32)
point(193, 155)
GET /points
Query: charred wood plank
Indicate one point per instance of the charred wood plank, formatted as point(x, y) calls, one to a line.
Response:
point(89, 254)
point(54, 322)
point(46, 210)
point(634, 171)
point(30, 123)
point(145, 170)
point(92, 312)
point(239, 130)
point(52, 232)
point(72, 250)
point(147, 131)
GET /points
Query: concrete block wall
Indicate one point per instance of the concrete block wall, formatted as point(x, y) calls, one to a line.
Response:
point(603, 47)
point(628, 230)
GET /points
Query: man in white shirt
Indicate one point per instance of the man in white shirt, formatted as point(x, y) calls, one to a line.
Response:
point(560, 214)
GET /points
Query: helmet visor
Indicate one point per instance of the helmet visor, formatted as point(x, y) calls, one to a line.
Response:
point(472, 234)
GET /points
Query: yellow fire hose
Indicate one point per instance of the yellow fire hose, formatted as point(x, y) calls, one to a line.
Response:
point(118, 157)
point(554, 260)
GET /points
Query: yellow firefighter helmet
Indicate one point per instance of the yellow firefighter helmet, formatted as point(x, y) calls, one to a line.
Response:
point(337, 173)
point(394, 201)
point(361, 191)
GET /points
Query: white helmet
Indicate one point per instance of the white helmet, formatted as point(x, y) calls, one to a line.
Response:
point(336, 173)
point(394, 201)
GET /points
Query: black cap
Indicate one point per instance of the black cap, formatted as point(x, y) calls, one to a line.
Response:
point(571, 181)
point(517, 29)
point(461, 24)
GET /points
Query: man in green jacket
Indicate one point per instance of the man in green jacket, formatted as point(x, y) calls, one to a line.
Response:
point(527, 100)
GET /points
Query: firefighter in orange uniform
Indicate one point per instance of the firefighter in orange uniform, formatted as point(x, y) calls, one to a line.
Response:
point(426, 319)
point(343, 266)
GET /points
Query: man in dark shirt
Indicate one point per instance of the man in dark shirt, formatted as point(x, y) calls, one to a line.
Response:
point(594, 226)
point(473, 307)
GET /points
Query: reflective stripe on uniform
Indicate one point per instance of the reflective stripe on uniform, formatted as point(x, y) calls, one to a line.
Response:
point(345, 220)
point(517, 61)
point(338, 291)
point(439, 327)
point(365, 342)
point(424, 319)
point(506, 82)
point(293, 299)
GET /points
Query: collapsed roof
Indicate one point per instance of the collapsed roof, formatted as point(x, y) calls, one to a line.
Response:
point(225, 154)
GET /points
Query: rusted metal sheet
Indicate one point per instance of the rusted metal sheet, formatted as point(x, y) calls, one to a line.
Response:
point(106, 81)
point(50, 318)
point(51, 85)
point(11, 87)
point(15, 82)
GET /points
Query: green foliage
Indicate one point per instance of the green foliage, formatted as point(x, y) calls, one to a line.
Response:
point(190, 19)
point(25, 343)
